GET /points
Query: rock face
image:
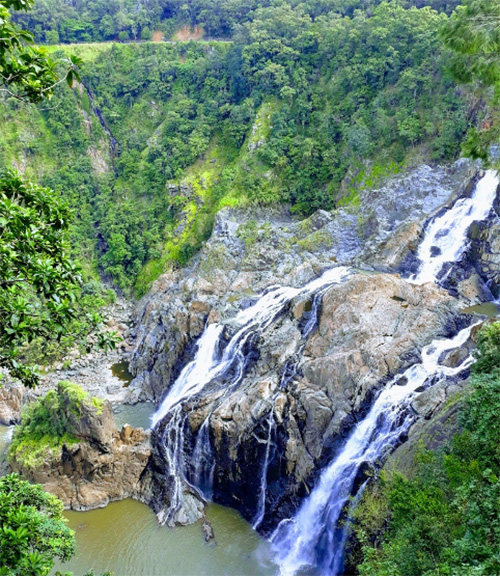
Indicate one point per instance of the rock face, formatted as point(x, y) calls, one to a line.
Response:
point(11, 401)
point(104, 465)
point(369, 329)
point(259, 446)
point(248, 252)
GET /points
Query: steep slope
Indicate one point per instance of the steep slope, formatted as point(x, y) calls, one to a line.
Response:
point(280, 375)
point(159, 137)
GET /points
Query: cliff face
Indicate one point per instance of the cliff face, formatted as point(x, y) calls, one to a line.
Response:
point(369, 329)
point(251, 251)
point(302, 391)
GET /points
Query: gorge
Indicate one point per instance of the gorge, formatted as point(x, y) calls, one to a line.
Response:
point(207, 436)
point(249, 288)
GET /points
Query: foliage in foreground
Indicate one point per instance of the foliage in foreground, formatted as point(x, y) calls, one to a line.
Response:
point(39, 281)
point(445, 519)
point(33, 531)
point(49, 423)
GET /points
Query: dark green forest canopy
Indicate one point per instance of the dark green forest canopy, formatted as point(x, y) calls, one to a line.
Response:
point(309, 101)
point(97, 20)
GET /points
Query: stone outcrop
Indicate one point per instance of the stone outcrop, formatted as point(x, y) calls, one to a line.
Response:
point(298, 400)
point(102, 466)
point(250, 251)
point(370, 328)
point(12, 397)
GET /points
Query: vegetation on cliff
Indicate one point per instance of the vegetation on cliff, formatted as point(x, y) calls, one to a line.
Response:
point(49, 423)
point(305, 105)
point(472, 33)
point(445, 518)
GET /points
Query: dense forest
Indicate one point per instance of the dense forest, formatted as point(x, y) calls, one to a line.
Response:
point(308, 102)
point(55, 21)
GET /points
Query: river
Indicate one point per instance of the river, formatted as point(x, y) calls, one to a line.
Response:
point(125, 537)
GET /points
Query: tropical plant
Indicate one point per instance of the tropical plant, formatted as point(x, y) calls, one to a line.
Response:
point(33, 531)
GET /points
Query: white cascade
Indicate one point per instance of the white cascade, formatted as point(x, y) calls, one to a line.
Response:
point(314, 538)
point(212, 361)
point(207, 365)
point(310, 539)
point(445, 238)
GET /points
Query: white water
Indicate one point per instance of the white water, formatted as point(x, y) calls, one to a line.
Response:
point(315, 538)
point(209, 364)
point(445, 237)
point(308, 540)
point(261, 504)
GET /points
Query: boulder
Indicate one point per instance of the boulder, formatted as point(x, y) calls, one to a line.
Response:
point(104, 465)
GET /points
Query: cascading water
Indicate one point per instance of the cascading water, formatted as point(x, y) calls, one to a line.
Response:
point(214, 361)
point(445, 237)
point(261, 504)
point(313, 537)
point(290, 371)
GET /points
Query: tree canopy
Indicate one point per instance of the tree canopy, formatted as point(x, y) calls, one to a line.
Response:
point(472, 33)
point(39, 281)
point(33, 531)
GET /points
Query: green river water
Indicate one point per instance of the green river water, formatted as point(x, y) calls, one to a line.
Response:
point(125, 538)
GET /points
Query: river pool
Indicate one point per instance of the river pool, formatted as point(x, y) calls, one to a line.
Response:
point(125, 538)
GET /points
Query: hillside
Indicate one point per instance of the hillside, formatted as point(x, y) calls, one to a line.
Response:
point(158, 137)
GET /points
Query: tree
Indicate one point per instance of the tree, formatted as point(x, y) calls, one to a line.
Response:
point(38, 280)
point(472, 33)
point(33, 530)
point(26, 72)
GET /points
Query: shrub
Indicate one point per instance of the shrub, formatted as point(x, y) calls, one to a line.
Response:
point(48, 424)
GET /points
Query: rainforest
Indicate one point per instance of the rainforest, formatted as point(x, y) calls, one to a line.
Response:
point(249, 287)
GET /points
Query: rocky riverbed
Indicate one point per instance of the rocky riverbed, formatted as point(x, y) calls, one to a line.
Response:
point(101, 374)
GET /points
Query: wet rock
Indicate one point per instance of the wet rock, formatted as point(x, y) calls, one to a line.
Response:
point(426, 403)
point(207, 530)
point(370, 328)
point(455, 358)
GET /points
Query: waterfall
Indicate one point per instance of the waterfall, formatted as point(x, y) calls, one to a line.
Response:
point(290, 371)
point(315, 537)
point(261, 504)
point(445, 238)
point(214, 359)
point(312, 538)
